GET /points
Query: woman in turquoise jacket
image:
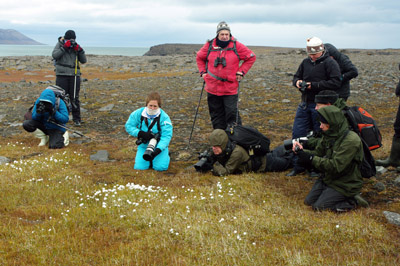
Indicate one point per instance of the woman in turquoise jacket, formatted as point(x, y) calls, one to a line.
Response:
point(148, 124)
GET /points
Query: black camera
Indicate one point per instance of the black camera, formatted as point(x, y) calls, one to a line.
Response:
point(288, 144)
point(73, 43)
point(42, 107)
point(205, 163)
point(220, 60)
point(148, 154)
point(303, 86)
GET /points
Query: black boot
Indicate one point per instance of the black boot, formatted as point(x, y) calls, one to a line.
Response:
point(394, 158)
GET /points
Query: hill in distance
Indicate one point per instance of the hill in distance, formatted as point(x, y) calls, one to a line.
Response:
point(15, 37)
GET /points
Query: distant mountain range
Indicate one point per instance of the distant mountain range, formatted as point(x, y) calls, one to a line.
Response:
point(15, 37)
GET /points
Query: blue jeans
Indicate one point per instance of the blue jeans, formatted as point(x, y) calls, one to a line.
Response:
point(306, 119)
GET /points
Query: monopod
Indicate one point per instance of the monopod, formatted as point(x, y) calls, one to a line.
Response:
point(197, 110)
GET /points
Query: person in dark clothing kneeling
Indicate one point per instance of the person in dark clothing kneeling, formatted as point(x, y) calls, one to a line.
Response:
point(230, 158)
point(44, 120)
point(338, 157)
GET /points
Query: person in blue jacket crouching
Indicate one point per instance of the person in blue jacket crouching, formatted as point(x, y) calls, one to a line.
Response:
point(153, 128)
point(48, 120)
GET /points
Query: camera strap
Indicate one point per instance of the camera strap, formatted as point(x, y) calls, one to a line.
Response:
point(215, 76)
point(146, 121)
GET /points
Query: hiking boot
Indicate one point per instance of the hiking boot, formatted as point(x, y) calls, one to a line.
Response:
point(294, 172)
point(394, 157)
point(43, 137)
point(361, 201)
point(314, 174)
point(77, 123)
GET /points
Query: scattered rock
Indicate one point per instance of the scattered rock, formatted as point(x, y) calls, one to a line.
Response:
point(392, 217)
point(379, 186)
point(380, 170)
point(106, 108)
point(4, 160)
point(101, 155)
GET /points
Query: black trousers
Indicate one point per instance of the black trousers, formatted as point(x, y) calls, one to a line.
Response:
point(397, 124)
point(279, 160)
point(322, 197)
point(68, 84)
point(223, 110)
point(56, 138)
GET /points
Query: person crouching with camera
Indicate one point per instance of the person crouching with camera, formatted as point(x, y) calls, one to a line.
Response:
point(338, 157)
point(153, 128)
point(47, 122)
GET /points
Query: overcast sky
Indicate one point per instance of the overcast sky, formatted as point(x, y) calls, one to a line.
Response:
point(132, 23)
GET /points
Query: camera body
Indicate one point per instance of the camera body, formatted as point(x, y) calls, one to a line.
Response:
point(288, 144)
point(205, 162)
point(148, 154)
point(303, 86)
point(43, 107)
point(73, 43)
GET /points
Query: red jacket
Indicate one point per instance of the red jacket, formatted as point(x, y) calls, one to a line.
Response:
point(228, 73)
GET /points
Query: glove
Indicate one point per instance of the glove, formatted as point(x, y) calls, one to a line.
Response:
point(146, 136)
point(156, 152)
point(77, 48)
point(305, 158)
point(67, 44)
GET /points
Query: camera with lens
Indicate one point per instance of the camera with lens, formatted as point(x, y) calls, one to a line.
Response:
point(42, 107)
point(220, 60)
point(205, 163)
point(73, 43)
point(288, 144)
point(148, 154)
point(303, 86)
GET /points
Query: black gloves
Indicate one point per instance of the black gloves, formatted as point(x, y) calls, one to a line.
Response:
point(146, 136)
point(305, 158)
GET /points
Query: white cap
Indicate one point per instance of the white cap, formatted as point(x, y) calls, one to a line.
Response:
point(314, 45)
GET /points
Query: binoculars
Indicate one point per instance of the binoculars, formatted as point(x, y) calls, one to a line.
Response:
point(220, 60)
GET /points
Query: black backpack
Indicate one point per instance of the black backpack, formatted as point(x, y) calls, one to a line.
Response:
point(364, 125)
point(250, 139)
point(367, 167)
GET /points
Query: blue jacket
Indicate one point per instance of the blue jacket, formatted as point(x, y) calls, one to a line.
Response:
point(135, 124)
point(60, 116)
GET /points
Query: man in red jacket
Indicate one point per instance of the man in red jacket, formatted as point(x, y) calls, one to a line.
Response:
point(219, 65)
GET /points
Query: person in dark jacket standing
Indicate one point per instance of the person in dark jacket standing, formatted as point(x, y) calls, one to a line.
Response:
point(45, 118)
point(394, 157)
point(67, 55)
point(219, 65)
point(347, 69)
point(338, 157)
point(319, 72)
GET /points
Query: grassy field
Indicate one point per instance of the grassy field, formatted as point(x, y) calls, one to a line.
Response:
point(57, 207)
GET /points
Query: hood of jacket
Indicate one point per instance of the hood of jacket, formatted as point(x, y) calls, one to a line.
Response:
point(219, 138)
point(48, 96)
point(332, 51)
point(337, 121)
point(340, 103)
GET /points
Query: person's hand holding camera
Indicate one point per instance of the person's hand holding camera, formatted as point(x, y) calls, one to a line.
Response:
point(146, 136)
point(67, 44)
point(77, 48)
point(156, 152)
point(305, 158)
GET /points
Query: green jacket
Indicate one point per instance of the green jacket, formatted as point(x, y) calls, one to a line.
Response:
point(339, 154)
point(312, 142)
point(65, 60)
point(234, 158)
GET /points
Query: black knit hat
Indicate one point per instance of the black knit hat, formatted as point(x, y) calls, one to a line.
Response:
point(326, 96)
point(69, 34)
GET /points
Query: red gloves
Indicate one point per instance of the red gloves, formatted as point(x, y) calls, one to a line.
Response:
point(67, 44)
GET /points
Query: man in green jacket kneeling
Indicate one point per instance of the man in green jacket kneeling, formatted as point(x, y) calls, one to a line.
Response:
point(338, 157)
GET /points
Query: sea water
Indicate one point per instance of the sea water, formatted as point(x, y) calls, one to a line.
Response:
point(46, 50)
